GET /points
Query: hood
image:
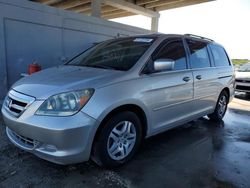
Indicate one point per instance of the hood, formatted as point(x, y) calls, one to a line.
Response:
point(242, 75)
point(64, 78)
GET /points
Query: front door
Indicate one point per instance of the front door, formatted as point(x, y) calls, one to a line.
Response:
point(171, 92)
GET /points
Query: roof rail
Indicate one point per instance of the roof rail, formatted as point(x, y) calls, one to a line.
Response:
point(199, 37)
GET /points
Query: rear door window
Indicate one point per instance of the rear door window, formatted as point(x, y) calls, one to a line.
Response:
point(199, 57)
point(219, 55)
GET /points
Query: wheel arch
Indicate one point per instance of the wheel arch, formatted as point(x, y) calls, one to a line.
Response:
point(122, 108)
point(226, 89)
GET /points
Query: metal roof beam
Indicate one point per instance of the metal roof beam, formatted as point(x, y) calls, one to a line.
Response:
point(143, 2)
point(180, 4)
point(122, 14)
point(162, 2)
point(81, 8)
point(113, 13)
point(70, 3)
point(121, 4)
point(46, 2)
point(107, 8)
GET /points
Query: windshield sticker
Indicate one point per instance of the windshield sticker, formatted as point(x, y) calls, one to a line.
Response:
point(143, 40)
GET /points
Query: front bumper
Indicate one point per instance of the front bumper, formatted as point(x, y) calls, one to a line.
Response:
point(62, 140)
point(243, 86)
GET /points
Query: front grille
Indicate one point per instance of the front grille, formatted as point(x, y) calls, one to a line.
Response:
point(23, 141)
point(243, 81)
point(243, 87)
point(16, 103)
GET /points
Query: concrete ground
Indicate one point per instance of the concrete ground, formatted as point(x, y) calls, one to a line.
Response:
point(203, 154)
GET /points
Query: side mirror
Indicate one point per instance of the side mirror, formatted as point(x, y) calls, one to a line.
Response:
point(163, 65)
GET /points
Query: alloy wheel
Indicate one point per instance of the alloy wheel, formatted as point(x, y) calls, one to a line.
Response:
point(121, 140)
point(222, 105)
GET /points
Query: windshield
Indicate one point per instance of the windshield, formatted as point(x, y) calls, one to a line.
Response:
point(244, 68)
point(120, 54)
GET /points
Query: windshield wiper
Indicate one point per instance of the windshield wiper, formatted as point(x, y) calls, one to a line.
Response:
point(102, 67)
point(96, 66)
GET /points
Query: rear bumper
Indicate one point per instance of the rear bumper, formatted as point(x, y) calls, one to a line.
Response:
point(62, 140)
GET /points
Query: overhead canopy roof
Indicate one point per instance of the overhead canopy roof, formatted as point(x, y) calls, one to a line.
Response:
point(110, 9)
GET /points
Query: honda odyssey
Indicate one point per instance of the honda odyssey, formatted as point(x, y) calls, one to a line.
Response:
point(103, 102)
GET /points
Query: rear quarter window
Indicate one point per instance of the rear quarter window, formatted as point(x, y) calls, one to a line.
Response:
point(219, 55)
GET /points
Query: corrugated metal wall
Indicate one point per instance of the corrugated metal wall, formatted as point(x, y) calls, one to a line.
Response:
point(31, 31)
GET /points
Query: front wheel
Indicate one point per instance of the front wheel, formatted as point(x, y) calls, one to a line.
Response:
point(221, 107)
point(118, 140)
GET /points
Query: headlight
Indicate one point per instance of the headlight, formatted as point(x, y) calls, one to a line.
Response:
point(65, 104)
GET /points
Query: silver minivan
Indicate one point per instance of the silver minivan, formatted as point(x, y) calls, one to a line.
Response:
point(103, 102)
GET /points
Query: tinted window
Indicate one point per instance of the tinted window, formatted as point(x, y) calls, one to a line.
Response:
point(120, 54)
point(174, 50)
point(219, 55)
point(199, 55)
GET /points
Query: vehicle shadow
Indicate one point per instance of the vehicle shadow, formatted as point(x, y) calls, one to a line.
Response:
point(178, 156)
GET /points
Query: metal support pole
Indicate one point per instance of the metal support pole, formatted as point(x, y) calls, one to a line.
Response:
point(154, 24)
point(96, 8)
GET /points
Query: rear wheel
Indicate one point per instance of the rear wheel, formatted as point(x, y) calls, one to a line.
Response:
point(221, 107)
point(118, 140)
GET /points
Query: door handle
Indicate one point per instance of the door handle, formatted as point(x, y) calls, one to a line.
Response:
point(186, 79)
point(198, 77)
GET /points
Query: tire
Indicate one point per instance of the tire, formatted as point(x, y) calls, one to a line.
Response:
point(221, 107)
point(116, 143)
